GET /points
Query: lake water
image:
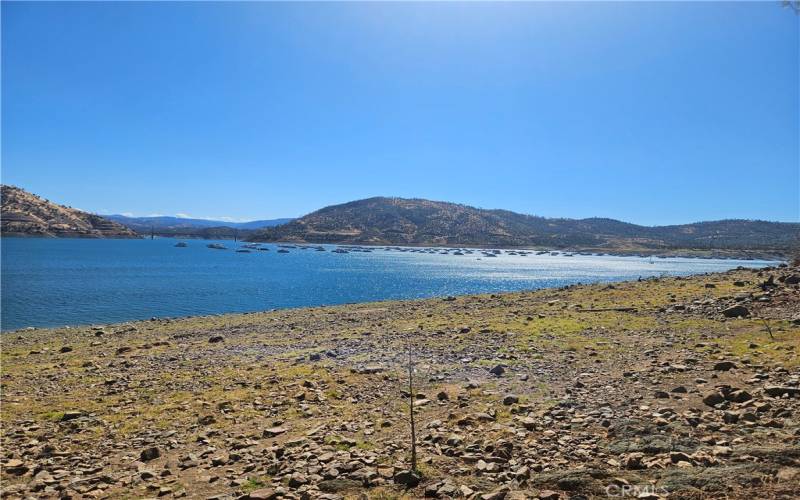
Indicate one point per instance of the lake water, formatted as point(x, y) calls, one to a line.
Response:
point(56, 282)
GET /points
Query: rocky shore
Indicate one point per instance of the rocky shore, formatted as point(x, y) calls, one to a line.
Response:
point(664, 388)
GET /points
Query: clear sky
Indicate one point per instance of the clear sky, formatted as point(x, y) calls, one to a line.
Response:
point(648, 112)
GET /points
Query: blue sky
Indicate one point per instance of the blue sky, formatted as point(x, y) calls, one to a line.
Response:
point(648, 112)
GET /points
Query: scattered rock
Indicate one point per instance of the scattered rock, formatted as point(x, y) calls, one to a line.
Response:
point(713, 398)
point(496, 494)
point(262, 494)
point(15, 467)
point(206, 420)
point(71, 415)
point(738, 396)
point(737, 311)
point(549, 495)
point(274, 431)
point(777, 391)
point(408, 478)
point(497, 370)
point(149, 454)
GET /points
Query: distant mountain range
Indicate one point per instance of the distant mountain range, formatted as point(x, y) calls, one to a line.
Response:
point(192, 228)
point(25, 214)
point(413, 222)
point(400, 221)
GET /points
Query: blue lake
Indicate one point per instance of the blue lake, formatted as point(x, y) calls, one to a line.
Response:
point(56, 282)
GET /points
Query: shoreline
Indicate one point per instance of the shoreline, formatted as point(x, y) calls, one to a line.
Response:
point(769, 264)
point(773, 254)
point(566, 389)
point(767, 255)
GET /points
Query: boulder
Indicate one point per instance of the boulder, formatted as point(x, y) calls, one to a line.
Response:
point(529, 423)
point(338, 485)
point(549, 495)
point(497, 370)
point(633, 461)
point(737, 311)
point(778, 391)
point(274, 431)
point(297, 479)
point(739, 396)
point(730, 417)
point(408, 478)
point(496, 494)
point(149, 454)
point(221, 459)
point(261, 494)
point(15, 467)
point(71, 415)
point(713, 398)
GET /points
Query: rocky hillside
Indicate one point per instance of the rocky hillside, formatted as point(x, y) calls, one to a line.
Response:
point(679, 388)
point(25, 214)
point(398, 221)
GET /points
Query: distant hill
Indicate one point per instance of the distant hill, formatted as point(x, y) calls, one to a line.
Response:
point(179, 224)
point(399, 221)
point(180, 227)
point(25, 214)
